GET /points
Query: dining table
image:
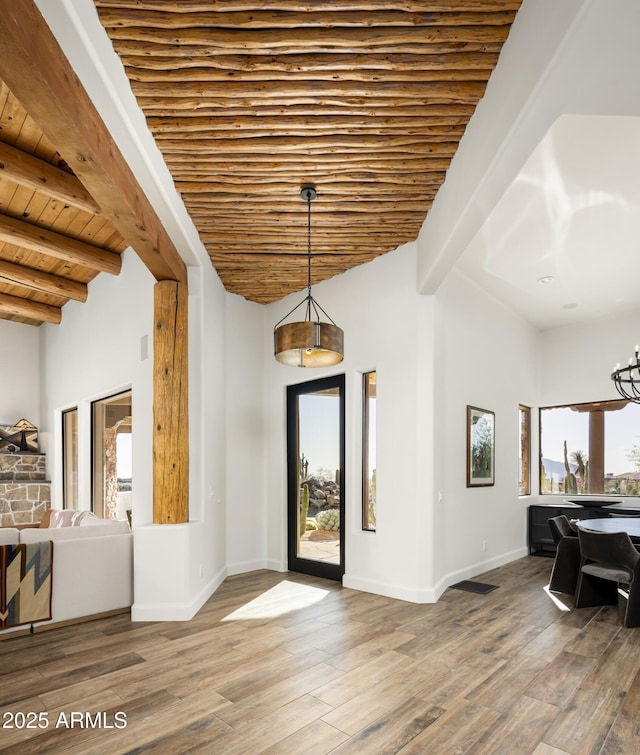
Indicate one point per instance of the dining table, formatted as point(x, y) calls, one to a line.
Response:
point(628, 524)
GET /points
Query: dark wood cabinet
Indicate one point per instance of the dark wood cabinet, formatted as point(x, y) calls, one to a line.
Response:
point(539, 535)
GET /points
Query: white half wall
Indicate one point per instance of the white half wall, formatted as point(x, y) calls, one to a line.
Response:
point(20, 375)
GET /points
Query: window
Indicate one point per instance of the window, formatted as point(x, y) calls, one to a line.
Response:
point(524, 481)
point(590, 448)
point(369, 451)
point(112, 456)
point(70, 459)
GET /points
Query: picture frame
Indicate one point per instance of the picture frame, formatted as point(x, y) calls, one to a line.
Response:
point(480, 447)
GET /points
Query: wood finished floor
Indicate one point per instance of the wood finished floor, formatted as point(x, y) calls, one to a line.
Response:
point(281, 663)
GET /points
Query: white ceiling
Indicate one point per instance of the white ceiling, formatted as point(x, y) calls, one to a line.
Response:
point(573, 214)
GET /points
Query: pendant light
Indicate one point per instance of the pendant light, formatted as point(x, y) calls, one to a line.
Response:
point(627, 379)
point(312, 342)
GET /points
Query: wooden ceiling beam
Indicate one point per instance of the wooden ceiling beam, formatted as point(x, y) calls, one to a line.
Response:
point(331, 184)
point(364, 109)
point(346, 105)
point(229, 192)
point(236, 260)
point(303, 40)
point(365, 203)
point(246, 164)
point(19, 307)
point(420, 46)
point(227, 230)
point(341, 219)
point(53, 244)
point(188, 77)
point(46, 282)
point(432, 133)
point(331, 250)
point(116, 20)
point(243, 65)
point(216, 6)
point(240, 125)
point(356, 208)
point(312, 146)
point(27, 170)
point(296, 91)
point(352, 178)
point(39, 75)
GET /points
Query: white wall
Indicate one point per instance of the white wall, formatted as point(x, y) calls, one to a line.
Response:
point(96, 352)
point(574, 56)
point(244, 416)
point(165, 588)
point(487, 358)
point(576, 361)
point(388, 328)
point(20, 374)
point(434, 356)
point(237, 401)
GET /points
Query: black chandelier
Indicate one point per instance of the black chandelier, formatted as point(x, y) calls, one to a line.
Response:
point(627, 379)
point(312, 342)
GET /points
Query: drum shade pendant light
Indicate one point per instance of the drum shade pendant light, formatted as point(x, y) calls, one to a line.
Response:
point(312, 342)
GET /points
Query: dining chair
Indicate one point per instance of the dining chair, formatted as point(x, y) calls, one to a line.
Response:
point(566, 567)
point(609, 559)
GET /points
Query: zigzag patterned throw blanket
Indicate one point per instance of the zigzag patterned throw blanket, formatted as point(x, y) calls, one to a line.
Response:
point(25, 583)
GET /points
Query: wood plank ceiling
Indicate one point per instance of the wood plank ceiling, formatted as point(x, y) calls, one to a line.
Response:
point(249, 101)
point(53, 237)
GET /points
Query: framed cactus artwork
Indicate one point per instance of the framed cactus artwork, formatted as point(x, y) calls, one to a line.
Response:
point(480, 447)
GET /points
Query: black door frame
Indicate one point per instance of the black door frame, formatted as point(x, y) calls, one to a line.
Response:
point(295, 562)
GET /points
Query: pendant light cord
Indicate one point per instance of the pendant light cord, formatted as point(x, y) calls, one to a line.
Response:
point(309, 242)
point(313, 309)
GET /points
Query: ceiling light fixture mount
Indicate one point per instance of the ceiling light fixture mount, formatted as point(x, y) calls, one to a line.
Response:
point(627, 379)
point(312, 342)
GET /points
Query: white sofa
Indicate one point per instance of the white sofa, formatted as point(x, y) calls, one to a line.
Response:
point(92, 567)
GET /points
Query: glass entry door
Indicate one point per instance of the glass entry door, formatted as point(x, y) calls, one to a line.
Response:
point(315, 475)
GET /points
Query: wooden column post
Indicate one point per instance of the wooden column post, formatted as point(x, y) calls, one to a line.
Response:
point(170, 405)
point(596, 451)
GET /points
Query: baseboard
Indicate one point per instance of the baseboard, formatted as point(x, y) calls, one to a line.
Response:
point(242, 567)
point(410, 594)
point(430, 594)
point(178, 611)
point(479, 568)
point(399, 592)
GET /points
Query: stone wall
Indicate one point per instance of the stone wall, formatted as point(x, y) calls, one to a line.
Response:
point(25, 494)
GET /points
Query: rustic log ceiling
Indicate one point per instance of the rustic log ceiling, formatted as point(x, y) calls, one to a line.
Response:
point(248, 101)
